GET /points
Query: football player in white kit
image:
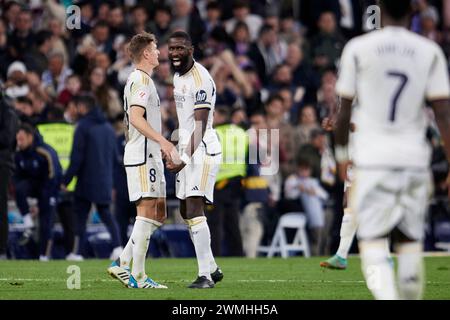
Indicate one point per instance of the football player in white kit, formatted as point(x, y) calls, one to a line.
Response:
point(143, 162)
point(200, 150)
point(349, 224)
point(391, 72)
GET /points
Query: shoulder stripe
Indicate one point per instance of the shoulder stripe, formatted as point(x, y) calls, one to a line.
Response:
point(48, 157)
point(197, 77)
point(144, 78)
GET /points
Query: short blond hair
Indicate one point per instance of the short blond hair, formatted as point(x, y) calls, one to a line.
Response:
point(138, 43)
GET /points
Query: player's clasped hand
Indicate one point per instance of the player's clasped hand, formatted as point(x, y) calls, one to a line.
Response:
point(167, 150)
point(176, 165)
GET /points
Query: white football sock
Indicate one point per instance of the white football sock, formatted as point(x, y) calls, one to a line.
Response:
point(212, 262)
point(410, 270)
point(201, 238)
point(127, 253)
point(377, 269)
point(142, 231)
point(348, 230)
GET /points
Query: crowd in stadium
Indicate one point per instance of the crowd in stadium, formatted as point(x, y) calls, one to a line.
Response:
point(274, 64)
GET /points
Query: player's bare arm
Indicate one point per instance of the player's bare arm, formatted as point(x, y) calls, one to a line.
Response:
point(341, 135)
point(138, 121)
point(441, 110)
point(201, 119)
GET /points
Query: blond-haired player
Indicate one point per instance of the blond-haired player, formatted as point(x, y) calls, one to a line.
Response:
point(144, 151)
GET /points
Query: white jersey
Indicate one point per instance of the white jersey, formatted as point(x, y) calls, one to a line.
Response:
point(192, 91)
point(140, 92)
point(391, 72)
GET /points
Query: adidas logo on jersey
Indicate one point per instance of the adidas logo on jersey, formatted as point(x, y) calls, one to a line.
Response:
point(195, 188)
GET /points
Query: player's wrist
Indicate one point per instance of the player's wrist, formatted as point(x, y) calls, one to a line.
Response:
point(341, 153)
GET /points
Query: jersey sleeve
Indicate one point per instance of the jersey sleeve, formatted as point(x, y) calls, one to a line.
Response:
point(346, 84)
point(203, 95)
point(438, 86)
point(139, 93)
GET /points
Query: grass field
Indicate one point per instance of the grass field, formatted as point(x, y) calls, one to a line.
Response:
point(257, 279)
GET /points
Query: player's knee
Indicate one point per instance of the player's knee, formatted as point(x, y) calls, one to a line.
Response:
point(194, 207)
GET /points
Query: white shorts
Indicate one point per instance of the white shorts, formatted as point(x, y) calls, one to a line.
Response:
point(198, 178)
point(384, 199)
point(147, 180)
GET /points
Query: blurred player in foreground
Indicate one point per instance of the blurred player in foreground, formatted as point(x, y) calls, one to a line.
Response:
point(391, 72)
point(200, 150)
point(143, 162)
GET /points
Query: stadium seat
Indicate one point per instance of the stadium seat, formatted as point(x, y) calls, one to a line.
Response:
point(279, 243)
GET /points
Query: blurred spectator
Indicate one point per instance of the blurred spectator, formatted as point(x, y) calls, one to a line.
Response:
point(100, 39)
point(122, 66)
point(71, 89)
point(39, 98)
point(213, 16)
point(54, 78)
point(223, 219)
point(290, 30)
point(58, 133)
point(307, 189)
point(241, 13)
point(241, 40)
point(10, 13)
point(275, 120)
point(16, 84)
point(37, 59)
point(327, 101)
point(139, 20)
point(103, 61)
point(24, 109)
point(160, 25)
point(60, 39)
point(117, 24)
point(307, 124)
point(254, 219)
point(3, 47)
point(186, 17)
point(107, 97)
point(289, 106)
point(318, 154)
point(86, 19)
point(281, 78)
point(327, 45)
point(239, 118)
point(38, 175)
point(267, 52)
point(421, 8)
point(8, 127)
point(93, 155)
point(103, 11)
point(304, 75)
point(429, 21)
point(22, 38)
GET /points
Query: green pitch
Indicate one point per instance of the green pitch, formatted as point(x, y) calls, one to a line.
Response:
point(279, 279)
